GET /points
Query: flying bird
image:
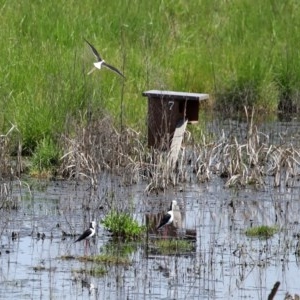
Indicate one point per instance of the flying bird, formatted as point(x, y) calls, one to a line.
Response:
point(100, 62)
point(87, 234)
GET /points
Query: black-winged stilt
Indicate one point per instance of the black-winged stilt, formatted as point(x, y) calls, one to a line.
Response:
point(87, 234)
point(100, 62)
point(173, 205)
point(168, 217)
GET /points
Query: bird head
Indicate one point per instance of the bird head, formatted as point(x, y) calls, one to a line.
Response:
point(93, 224)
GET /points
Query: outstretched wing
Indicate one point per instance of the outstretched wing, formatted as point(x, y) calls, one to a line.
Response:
point(113, 69)
point(97, 55)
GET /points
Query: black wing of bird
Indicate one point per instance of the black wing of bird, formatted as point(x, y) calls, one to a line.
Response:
point(164, 220)
point(84, 235)
point(94, 51)
point(113, 69)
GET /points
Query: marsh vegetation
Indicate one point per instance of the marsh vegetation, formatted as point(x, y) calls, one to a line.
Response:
point(221, 260)
point(242, 54)
point(262, 231)
point(237, 175)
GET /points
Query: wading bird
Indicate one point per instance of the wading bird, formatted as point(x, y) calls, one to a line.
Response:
point(168, 217)
point(173, 205)
point(166, 220)
point(100, 62)
point(87, 234)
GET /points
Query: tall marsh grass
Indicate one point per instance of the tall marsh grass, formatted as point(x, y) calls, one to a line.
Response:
point(240, 161)
point(240, 52)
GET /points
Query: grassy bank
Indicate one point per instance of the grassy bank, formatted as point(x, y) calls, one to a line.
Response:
point(240, 52)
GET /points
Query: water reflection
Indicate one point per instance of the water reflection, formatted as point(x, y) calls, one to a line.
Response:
point(221, 263)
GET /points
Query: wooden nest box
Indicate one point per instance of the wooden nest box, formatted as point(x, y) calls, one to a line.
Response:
point(166, 111)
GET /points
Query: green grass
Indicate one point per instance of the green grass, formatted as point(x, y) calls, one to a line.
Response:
point(122, 225)
point(173, 246)
point(45, 158)
point(95, 271)
point(106, 259)
point(241, 52)
point(263, 231)
point(120, 249)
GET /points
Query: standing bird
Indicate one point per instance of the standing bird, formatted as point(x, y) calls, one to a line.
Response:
point(177, 218)
point(173, 205)
point(168, 217)
point(87, 234)
point(166, 220)
point(100, 62)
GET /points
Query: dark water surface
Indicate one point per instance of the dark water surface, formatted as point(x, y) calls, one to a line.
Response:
point(226, 264)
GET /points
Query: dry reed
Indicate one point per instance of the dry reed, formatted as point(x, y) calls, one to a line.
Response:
point(10, 168)
point(100, 147)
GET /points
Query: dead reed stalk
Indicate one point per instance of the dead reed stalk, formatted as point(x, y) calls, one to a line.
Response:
point(100, 147)
point(10, 166)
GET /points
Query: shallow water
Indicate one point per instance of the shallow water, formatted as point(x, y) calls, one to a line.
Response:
point(226, 264)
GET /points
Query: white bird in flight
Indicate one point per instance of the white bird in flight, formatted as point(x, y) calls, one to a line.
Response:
point(100, 62)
